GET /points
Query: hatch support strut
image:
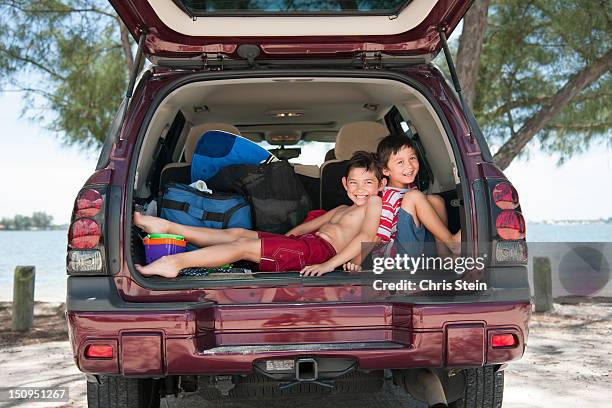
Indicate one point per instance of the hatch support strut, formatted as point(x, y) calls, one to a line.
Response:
point(456, 84)
point(137, 64)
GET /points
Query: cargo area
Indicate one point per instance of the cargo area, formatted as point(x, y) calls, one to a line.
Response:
point(314, 123)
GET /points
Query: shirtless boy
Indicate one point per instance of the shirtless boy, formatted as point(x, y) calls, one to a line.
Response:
point(315, 247)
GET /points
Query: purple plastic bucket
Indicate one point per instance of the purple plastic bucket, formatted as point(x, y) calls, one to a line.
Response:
point(156, 248)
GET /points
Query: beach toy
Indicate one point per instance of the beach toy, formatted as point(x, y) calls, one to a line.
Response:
point(158, 245)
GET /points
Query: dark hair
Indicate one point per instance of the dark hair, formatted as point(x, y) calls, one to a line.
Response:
point(364, 160)
point(391, 145)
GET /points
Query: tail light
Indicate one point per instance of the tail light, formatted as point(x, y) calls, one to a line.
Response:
point(85, 236)
point(88, 203)
point(99, 351)
point(84, 233)
point(510, 245)
point(505, 196)
point(503, 340)
point(510, 225)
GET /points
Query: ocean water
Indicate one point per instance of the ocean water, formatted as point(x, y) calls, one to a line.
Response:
point(47, 251)
point(569, 232)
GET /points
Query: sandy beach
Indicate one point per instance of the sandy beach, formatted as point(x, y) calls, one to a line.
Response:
point(568, 362)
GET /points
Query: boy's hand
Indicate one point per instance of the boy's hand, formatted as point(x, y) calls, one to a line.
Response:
point(351, 267)
point(317, 270)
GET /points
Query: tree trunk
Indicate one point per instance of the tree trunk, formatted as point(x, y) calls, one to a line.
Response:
point(125, 44)
point(470, 46)
point(548, 111)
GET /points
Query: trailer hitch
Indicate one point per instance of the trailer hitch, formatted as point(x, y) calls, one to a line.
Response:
point(307, 371)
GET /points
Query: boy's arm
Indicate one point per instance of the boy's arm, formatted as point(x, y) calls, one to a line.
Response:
point(313, 225)
point(354, 265)
point(367, 233)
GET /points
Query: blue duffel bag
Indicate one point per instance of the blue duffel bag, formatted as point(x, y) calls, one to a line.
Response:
point(217, 149)
point(186, 205)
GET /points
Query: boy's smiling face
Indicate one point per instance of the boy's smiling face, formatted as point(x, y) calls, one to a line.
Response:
point(360, 184)
point(402, 167)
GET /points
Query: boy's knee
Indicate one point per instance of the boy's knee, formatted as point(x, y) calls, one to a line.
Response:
point(249, 248)
point(411, 197)
point(241, 242)
point(436, 201)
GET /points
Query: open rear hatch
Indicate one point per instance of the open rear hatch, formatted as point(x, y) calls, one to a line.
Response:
point(288, 29)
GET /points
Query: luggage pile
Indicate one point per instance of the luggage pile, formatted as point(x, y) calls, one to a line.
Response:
point(245, 187)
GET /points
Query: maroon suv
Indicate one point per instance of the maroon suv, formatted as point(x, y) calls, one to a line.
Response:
point(326, 79)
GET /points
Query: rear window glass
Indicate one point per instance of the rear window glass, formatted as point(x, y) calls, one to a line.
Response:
point(311, 152)
point(284, 7)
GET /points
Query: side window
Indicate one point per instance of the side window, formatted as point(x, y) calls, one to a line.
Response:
point(163, 153)
point(397, 124)
point(111, 136)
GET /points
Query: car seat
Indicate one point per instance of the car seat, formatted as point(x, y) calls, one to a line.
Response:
point(352, 137)
point(181, 172)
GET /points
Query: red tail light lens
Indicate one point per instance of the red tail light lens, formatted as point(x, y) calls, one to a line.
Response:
point(505, 196)
point(99, 351)
point(510, 225)
point(84, 234)
point(503, 340)
point(88, 203)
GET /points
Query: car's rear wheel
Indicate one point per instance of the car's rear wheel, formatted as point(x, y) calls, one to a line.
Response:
point(484, 388)
point(122, 392)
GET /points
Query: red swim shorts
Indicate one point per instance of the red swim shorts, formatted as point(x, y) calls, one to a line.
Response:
point(280, 253)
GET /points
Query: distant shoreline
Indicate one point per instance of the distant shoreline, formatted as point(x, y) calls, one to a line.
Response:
point(54, 228)
point(572, 222)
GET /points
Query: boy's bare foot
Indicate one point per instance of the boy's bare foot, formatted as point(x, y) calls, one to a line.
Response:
point(164, 266)
point(455, 244)
point(150, 224)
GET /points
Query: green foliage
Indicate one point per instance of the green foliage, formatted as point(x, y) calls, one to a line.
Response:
point(66, 56)
point(532, 48)
point(38, 220)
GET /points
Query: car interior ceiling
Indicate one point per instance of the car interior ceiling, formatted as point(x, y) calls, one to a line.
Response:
point(324, 107)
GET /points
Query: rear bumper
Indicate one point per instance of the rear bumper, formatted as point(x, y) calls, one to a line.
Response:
point(228, 339)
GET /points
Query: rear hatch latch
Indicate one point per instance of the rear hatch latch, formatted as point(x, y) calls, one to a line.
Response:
point(371, 60)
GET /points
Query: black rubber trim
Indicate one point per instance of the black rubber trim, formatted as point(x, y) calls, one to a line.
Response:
point(481, 200)
point(113, 230)
point(251, 74)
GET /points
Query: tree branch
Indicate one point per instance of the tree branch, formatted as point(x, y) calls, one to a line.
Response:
point(40, 92)
point(548, 111)
point(581, 126)
point(67, 10)
point(38, 65)
point(526, 102)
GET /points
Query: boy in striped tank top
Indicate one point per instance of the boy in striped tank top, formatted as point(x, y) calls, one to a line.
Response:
point(410, 218)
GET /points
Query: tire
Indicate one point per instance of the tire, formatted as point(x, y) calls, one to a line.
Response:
point(122, 392)
point(484, 388)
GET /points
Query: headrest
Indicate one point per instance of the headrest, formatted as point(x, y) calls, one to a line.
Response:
point(197, 131)
point(358, 136)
